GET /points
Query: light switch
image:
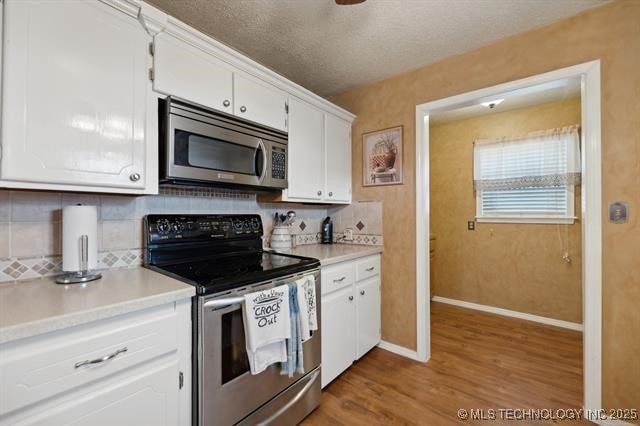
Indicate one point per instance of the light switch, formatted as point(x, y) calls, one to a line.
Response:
point(618, 212)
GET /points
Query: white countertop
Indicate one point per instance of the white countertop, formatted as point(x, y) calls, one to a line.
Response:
point(29, 308)
point(334, 253)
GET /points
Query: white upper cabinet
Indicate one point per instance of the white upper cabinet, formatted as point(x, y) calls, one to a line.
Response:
point(337, 159)
point(75, 103)
point(188, 72)
point(258, 101)
point(305, 151)
point(319, 156)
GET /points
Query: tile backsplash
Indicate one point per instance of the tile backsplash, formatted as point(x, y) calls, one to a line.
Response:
point(30, 224)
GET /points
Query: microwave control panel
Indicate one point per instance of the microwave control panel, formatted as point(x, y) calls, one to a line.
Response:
point(278, 163)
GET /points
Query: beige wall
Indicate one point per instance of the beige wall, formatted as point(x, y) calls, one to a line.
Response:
point(512, 266)
point(610, 33)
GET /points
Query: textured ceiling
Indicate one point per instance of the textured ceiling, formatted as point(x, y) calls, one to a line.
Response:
point(328, 48)
point(559, 90)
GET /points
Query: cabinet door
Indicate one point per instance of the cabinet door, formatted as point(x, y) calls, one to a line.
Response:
point(74, 107)
point(338, 333)
point(337, 159)
point(190, 73)
point(368, 315)
point(145, 396)
point(305, 151)
point(259, 101)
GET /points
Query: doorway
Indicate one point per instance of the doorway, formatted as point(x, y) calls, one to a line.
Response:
point(589, 211)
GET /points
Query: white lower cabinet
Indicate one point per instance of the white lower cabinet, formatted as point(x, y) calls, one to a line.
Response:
point(350, 314)
point(140, 372)
point(145, 396)
point(338, 337)
point(367, 315)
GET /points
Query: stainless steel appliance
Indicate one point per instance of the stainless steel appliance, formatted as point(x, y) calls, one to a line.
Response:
point(200, 146)
point(222, 256)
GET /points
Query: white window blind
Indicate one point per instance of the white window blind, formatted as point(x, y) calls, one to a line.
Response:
point(529, 179)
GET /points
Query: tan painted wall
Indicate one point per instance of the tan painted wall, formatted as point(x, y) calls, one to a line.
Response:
point(512, 266)
point(610, 33)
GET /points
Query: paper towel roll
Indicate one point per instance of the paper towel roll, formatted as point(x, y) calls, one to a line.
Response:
point(76, 222)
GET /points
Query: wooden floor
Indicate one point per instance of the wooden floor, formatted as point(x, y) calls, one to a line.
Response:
point(478, 360)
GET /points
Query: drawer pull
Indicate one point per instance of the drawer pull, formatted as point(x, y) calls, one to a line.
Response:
point(339, 280)
point(350, 298)
point(370, 268)
point(361, 292)
point(100, 360)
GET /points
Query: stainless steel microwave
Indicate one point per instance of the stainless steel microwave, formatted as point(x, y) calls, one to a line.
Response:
point(199, 146)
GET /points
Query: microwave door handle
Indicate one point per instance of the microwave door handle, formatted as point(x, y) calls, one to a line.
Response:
point(261, 148)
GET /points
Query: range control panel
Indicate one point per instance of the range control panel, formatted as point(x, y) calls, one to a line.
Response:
point(160, 228)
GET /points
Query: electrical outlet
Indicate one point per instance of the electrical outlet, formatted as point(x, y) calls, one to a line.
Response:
point(471, 225)
point(348, 234)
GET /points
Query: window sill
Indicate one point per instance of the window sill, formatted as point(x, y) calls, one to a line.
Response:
point(527, 219)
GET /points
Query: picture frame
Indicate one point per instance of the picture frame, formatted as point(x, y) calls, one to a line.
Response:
point(382, 157)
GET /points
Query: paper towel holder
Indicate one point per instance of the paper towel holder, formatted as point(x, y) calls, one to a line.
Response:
point(84, 275)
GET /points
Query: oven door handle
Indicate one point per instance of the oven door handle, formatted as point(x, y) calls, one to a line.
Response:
point(289, 404)
point(262, 148)
point(221, 303)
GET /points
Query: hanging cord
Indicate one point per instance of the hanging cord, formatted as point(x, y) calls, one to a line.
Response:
point(564, 249)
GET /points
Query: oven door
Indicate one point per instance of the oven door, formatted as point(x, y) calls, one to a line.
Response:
point(227, 391)
point(205, 152)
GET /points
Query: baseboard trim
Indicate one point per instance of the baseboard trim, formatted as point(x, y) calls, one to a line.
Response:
point(397, 349)
point(509, 313)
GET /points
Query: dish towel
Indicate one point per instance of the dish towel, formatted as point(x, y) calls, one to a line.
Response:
point(307, 306)
point(267, 325)
point(295, 356)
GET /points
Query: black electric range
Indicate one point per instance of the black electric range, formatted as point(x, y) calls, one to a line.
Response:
point(215, 253)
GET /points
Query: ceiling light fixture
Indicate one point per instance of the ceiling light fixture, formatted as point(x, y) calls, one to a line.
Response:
point(491, 104)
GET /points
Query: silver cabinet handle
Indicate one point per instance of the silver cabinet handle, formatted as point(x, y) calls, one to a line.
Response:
point(330, 194)
point(319, 192)
point(134, 177)
point(339, 280)
point(350, 298)
point(370, 268)
point(226, 102)
point(100, 360)
point(361, 292)
point(243, 108)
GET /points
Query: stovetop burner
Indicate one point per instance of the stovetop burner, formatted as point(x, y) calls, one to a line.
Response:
point(215, 252)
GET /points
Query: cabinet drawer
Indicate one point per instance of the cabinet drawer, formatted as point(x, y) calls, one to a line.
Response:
point(42, 366)
point(337, 276)
point(367, 267)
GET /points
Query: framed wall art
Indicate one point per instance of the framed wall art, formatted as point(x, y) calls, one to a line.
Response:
point(382, 162)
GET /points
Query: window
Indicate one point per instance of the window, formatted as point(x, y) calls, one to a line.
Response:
point(529, 179)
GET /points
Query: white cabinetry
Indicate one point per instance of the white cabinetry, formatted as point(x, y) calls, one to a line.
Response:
point(258, 101)
point(350, 314)
point(338, 333)
point(305, 151)
point(134, 379)
point(76, 109)
point(337, 159)
point(188, 72)
point(319, 156)
point(367, 295)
